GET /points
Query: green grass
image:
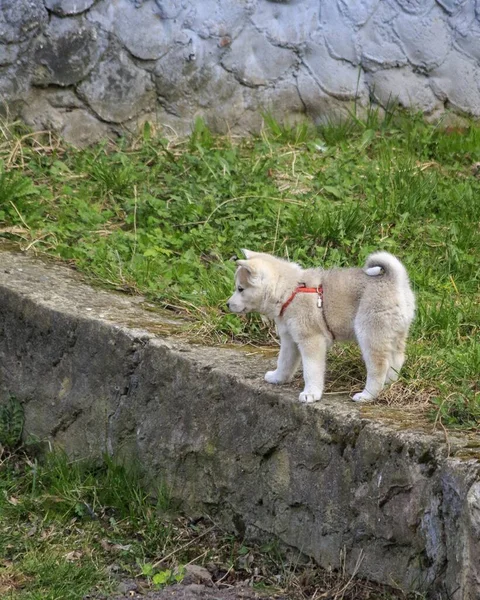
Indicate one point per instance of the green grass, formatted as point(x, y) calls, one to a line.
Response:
point(164, 217)
point(71, 528)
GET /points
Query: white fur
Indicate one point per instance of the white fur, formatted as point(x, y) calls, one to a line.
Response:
point(374, 306)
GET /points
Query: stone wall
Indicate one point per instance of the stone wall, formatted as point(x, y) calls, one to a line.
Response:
point(377, 485)
point(89, 67)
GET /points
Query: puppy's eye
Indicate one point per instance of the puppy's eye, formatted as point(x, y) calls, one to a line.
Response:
point(240, 289)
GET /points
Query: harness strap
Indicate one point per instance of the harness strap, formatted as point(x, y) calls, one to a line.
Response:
point(302, 289)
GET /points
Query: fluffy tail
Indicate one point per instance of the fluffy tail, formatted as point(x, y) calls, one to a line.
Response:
point(384, 263)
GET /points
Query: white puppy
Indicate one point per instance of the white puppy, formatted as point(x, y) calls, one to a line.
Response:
point(313, 307)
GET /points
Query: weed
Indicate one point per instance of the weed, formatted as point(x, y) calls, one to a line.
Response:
point(11, 423)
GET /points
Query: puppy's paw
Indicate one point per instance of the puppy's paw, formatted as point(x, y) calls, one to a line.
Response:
point(363, 397)
point(272, 377)
point(308, 397)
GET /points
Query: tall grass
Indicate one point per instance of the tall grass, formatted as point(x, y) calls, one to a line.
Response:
point(163, 217)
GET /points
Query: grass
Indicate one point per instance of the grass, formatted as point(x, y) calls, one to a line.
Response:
point(163, 217)
point(71, 528)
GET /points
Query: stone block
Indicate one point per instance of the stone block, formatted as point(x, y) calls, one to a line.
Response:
point(66, 52)
point(416, 7)
point(452, 6)
point(62, 112)
point(68, 7)
point(21, 19)
point(427, 40)
point(287, 23)
point(405, 87)
point(468, 40)
point(318, 105)
point(255, 61)
point(378, 44)
point(358, 12)
point(8, 54)
point(457, 81)
point(186, 76)
point(281, 100)
point(141, 29)
point(211, 18)
point(340, 35)
point(14, 84)
point(129, 89)
point(39, 114)
point(336, 77)
point(81, 129)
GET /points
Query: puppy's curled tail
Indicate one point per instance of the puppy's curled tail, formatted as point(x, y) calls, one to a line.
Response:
point(384, 263)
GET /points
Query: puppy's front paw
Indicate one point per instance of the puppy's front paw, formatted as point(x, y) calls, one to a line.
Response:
point(308, 397)
point(272, 377)
point(363, 397)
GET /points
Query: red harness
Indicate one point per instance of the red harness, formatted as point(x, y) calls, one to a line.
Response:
point(302, 289)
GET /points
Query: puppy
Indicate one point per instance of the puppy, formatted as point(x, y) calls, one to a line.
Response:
point(314, 307)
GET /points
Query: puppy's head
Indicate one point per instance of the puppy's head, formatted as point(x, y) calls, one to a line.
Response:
point(251, 284)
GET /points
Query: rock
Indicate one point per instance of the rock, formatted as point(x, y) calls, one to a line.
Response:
point(319, 106)
point(358, 12)
point(469, 40)
point(20, 19)
point(213, 19)
point(339, 33)
point(8, 54)
point(426, 40)
point(262, 63)
point(14, 84)
point(287, 23)
point(40, 115)
point(195, 574)
point(336, 77)
point(415, 7)
point(68, 7)
point(379, 45)
point(81, 129)
point(129, 90)
point(126, 19)
point(185, 77)
point(451, 6)
point(62, 112)
point(405, 87)
point(67, 52)
point(170, 9)
point(127, 587)
point(282, 101)
point(463, 91)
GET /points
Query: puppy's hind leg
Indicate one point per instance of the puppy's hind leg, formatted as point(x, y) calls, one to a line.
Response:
point(377, 363)
point(288, 360)
point(397, 358)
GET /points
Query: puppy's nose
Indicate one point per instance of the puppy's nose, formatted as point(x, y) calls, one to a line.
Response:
point(228, 304)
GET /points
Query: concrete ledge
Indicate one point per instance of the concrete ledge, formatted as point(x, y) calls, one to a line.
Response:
point(97, 373)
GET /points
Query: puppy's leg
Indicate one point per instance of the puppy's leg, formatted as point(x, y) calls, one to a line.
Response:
point(376, 361)
point(313, 351)
point(397, 358)
point(288, 360)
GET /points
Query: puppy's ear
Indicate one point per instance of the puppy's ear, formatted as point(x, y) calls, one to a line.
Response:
point(248, 253)
point(252, 269)
point(247, 265)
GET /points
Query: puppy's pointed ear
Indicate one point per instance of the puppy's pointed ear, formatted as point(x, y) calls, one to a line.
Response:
point(247, 265)
point(248, 253)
